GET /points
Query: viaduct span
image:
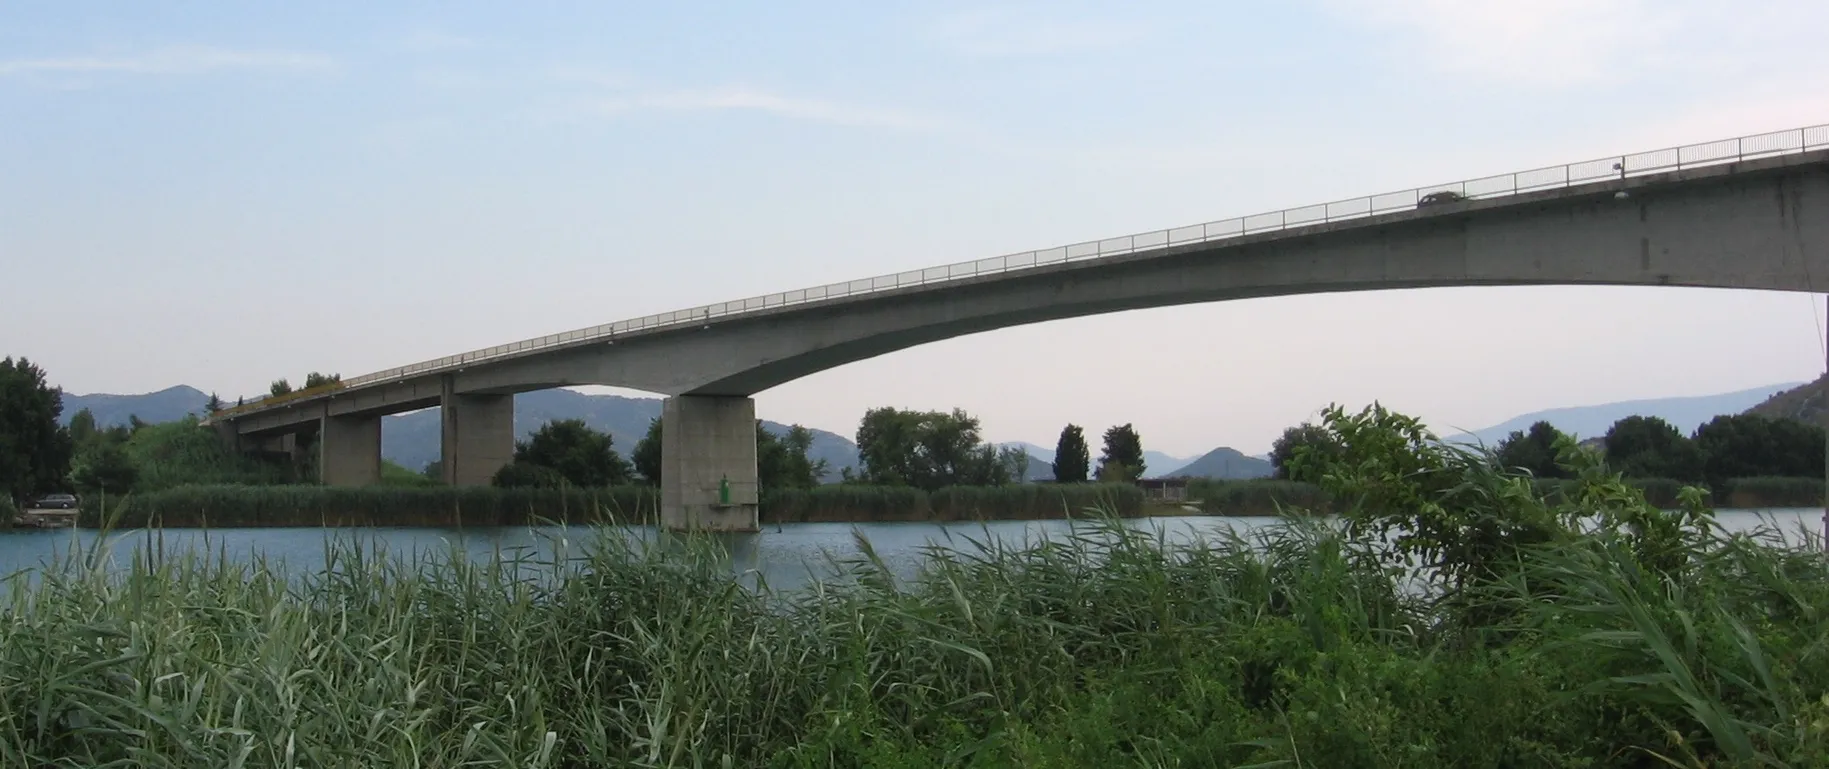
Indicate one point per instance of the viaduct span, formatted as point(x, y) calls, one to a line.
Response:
point(1746, 213)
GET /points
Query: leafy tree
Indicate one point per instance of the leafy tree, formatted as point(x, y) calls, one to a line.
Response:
point(585, 457)
point(213, 405)
point(83, 428)
point(1122, 458)
point(1749, 445)
point(1015, 462)
point(646, 455)
point(103, 465)
point(1072, 459)
point(34, 449)
point(782, 462)
point(1649, 447)
point(1444, 506)
point(1533, 452)
point(1309, 440)
point(925, 449)
point(183, 452)
point(315, 379)
point(434, 470)
point(527, 475)
point(279, 387)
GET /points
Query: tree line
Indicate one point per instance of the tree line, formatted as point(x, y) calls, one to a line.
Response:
point(569, 452)
point(1722, 449)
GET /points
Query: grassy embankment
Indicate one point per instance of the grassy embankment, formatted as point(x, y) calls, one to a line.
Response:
point(425, 503)
point(1535, 644)
point(1266, 497)
point(433, 505)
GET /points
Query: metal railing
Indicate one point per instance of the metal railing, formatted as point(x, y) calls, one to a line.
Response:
point(1614, 167)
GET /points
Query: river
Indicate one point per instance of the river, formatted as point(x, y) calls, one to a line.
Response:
point(786, 555)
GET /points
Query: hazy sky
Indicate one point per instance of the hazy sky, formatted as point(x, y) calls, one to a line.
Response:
point(219, 194)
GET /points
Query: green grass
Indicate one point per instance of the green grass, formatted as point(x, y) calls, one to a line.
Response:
point(1101, 648)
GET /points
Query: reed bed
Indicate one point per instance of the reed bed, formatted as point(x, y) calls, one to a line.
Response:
point(1297, 647)
point(849, 502)
point(1257, 496)
point(310, 505)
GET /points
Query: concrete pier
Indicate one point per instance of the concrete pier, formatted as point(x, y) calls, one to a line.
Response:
point(349, 450)
point(478, 436)
point(708, 464)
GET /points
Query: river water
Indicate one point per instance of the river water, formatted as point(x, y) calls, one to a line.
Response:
point(787, 555)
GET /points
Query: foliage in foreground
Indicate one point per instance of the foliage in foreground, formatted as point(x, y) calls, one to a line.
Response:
point(1457, 619)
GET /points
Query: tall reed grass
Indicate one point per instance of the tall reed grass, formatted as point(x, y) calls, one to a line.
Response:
point(1105, 646)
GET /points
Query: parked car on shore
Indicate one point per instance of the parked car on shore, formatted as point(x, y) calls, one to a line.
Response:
point(55, 502)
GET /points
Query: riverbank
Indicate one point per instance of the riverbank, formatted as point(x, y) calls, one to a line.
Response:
point(303, 505)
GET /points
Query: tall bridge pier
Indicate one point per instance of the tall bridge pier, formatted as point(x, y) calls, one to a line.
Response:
point(708, 463)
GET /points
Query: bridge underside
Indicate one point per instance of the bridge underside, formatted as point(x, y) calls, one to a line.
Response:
point(1758, 225)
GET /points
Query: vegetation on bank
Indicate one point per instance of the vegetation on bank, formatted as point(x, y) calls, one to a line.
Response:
point(1489, 629)
point(437, 505)
point(1270, 496)
point(307, 505)
point(852, 502)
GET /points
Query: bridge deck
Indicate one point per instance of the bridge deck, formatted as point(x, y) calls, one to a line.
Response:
point(1725, 156)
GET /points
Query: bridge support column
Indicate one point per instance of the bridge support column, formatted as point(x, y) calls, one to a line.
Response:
point(708, 464)
point(349, 451)
point(478, 436)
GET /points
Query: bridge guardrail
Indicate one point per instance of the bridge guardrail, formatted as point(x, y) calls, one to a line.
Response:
point(1502, 185)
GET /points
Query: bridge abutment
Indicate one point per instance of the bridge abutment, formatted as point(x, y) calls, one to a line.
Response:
point(708, 464)
point(349, 451)
point(478, 436)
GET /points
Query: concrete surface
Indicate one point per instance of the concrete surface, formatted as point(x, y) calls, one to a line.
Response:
point(707, 442)
point(349, 450)
point(478, 436)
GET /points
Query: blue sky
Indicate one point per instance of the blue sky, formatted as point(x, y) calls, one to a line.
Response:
point(219, 194)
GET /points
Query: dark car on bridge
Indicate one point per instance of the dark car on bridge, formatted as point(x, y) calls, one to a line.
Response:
point(1439, 197)
point(56, 502)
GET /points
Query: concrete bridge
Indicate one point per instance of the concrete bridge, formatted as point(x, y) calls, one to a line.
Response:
point(1747, 213)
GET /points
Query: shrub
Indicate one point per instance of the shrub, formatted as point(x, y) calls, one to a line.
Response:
point(1258, 496)
point(1759, 493)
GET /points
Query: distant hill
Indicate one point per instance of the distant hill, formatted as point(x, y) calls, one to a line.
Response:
point(1803, 403)
point(167, 405)
point(1224, 462)
point(412, 439)
point(1685, 413)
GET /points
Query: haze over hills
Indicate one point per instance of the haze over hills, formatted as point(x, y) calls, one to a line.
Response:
point(1685, 413)
point(1803, 403)
point(1224, 462)
point(412, 439)
point(1041, 459)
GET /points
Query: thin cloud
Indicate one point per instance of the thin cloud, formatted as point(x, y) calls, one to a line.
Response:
point(181, 60)
point(796, 108)
point(435, 41)
point(1546, 42)
point(1013, 32)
